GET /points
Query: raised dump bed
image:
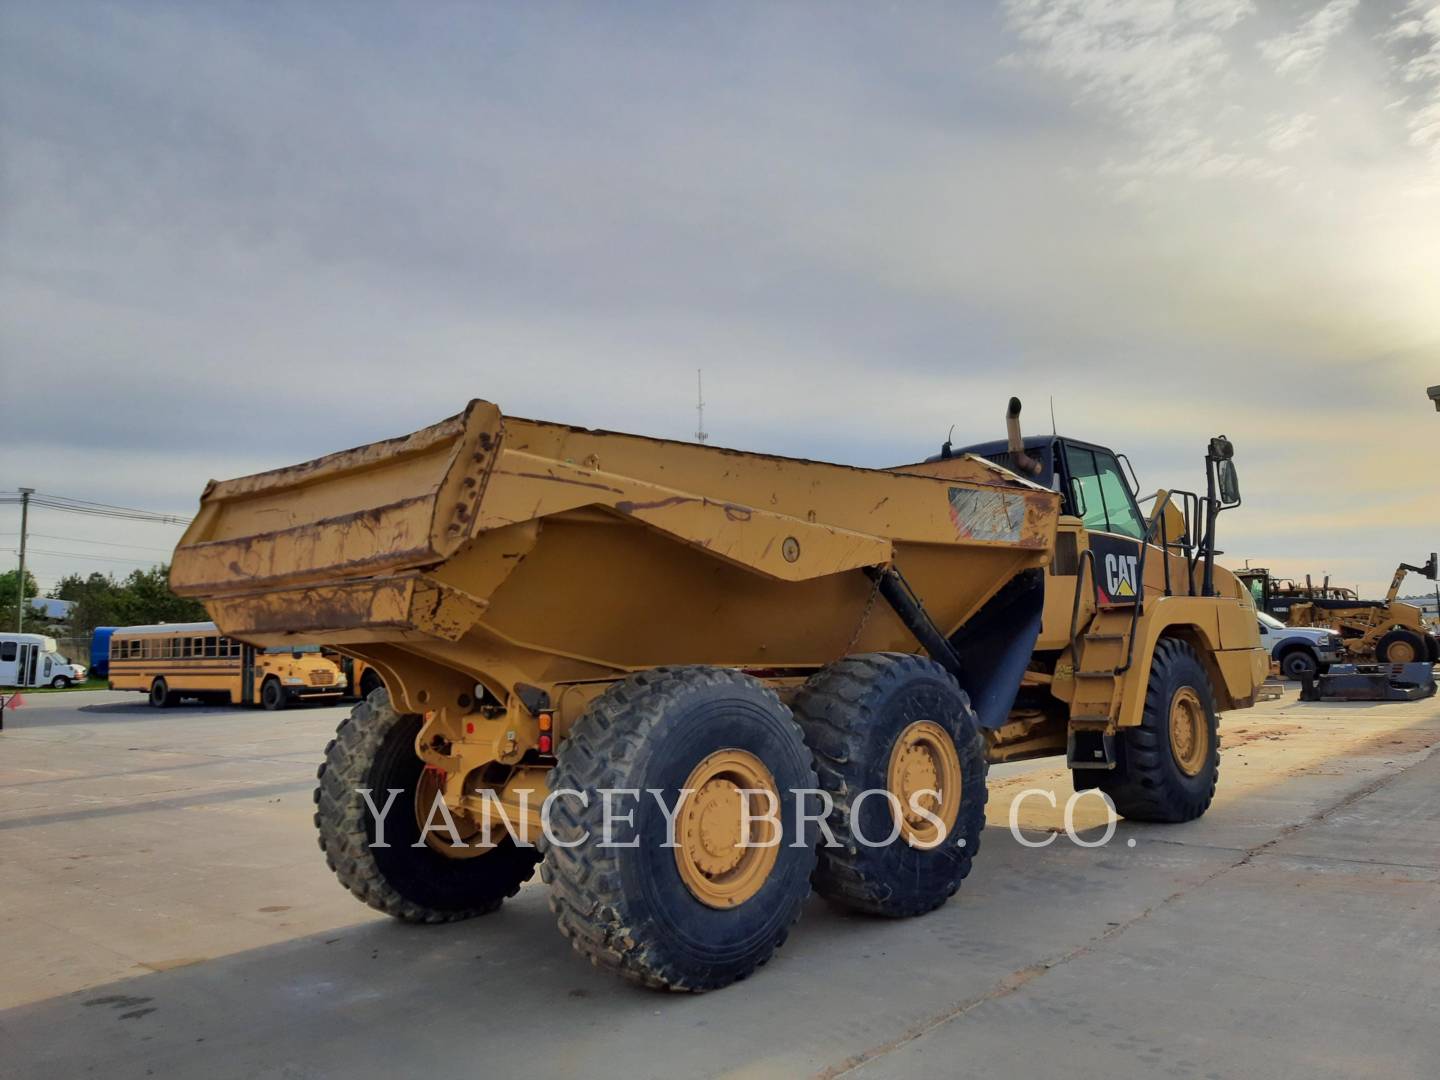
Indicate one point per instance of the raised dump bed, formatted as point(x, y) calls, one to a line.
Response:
point(513, 550)
point(560, 615)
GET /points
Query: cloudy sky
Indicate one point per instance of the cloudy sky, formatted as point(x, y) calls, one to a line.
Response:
point(238, 235)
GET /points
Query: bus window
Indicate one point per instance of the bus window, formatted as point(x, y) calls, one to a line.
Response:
point(210, 647)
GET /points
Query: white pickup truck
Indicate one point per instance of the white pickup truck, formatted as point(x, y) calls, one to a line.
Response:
point(1300, 650)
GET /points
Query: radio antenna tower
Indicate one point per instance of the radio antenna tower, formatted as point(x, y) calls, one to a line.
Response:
point(700, 433)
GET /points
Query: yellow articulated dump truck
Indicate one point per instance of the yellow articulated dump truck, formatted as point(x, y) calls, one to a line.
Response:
point(694, 682)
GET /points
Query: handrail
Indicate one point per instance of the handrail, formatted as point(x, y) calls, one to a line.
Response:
point(1085, 555)
point(1154, 525)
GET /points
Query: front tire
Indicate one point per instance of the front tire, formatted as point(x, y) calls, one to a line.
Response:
point(897, 723)
point(374, 748)
point(1169, 765)
point(272, 695)
point(1299, 664)
point(710, 910)
point(60, 682)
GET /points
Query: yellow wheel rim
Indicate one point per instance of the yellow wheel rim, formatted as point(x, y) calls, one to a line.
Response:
point(1400, 652)
point(1189, 731)
point(923, 762)
point(717, 869)
point(431, 783)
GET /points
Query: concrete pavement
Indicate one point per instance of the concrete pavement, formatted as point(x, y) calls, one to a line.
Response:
point(164, 911)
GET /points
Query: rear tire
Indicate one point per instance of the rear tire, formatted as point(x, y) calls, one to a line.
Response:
point(855, 715)
point(374, 748)
point(1407, 646)
point(370, 682)
point(1159, 775)
point(272, 695)
point(638, 910)
point(1299, 664)
point(160, 695)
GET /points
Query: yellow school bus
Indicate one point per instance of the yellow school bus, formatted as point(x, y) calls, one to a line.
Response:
point(172, 661)
point(360, 677)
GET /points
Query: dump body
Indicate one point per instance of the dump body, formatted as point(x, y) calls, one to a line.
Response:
point(499, 551)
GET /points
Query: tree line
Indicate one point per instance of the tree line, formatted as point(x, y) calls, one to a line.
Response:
point(141, 597)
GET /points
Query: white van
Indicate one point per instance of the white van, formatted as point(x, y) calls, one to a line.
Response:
point(32, 660)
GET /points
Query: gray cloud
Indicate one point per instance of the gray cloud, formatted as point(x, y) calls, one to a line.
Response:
point(240, 237)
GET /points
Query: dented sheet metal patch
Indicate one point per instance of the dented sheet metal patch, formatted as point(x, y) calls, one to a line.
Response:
point(986, 514)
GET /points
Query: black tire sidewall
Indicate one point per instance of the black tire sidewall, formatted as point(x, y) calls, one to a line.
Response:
point(702, 722)
point(1299, 657)
point(160, 695)
point(650, 731)
point(1182, 670)
point(272, 695)
point(1417, 643)
point(917, 875)
point(423, 875)
point(60, 682)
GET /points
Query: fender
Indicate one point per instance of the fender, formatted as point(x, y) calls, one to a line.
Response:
point(1286, 643)
point(1222, 630)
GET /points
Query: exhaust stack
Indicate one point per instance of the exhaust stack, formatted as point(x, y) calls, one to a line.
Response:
point(1023, 461)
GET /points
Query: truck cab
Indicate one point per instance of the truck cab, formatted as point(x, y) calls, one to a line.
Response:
point(1301, 651)
point(1089, 478)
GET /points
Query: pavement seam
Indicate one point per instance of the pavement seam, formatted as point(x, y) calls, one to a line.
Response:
point(1018, 979)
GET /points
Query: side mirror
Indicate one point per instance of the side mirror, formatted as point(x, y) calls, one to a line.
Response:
point(1228, 481)
point(1077, 496)
point(1431, 570)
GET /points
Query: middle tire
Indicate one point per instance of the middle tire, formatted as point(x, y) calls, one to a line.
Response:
point(899, 723)
point(709, 910)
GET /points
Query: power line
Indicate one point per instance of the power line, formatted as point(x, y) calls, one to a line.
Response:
point(100, 543)
point(93, 509)
point(86, 555)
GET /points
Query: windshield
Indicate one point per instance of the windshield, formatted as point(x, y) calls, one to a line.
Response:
point(1270, 621)
point(279, 650)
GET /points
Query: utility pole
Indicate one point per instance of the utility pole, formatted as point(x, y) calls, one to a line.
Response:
point(700, 433)
point(25, 494)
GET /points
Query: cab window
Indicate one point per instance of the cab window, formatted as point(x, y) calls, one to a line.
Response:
point(1106, 504)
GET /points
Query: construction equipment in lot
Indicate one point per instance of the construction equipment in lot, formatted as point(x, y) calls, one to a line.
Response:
point(561, 614)
point(1388, 631)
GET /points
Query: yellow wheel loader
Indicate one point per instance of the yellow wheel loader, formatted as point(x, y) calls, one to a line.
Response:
point(1389, 631)
point(694, 681)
